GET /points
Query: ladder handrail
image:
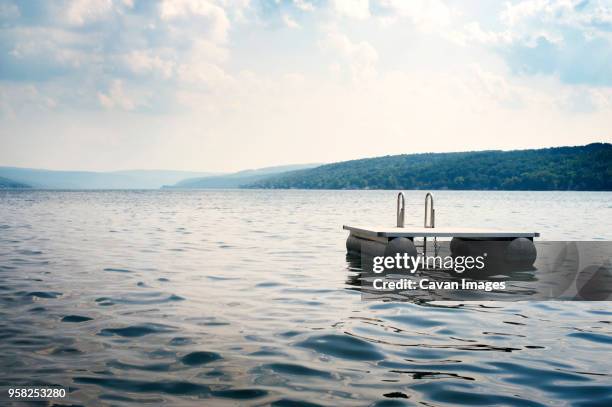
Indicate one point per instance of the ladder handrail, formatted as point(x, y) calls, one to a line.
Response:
point(429, 203)
point(401, 211)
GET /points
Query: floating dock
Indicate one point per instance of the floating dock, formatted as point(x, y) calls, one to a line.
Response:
point(509, 246)
point(412, 232)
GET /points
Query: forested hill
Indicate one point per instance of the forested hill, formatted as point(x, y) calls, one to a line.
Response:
point(581, 168)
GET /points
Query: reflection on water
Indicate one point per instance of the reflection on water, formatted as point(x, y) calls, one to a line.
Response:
point(247, 297)
point(578, 271)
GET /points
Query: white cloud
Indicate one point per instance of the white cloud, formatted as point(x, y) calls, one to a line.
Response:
point(202, 66)
point(359, 9)
point(215, 15)
point(591, 17)
point(514, 13)
point(203, 74)
point(496, 89)
point(426, 14)
point(290, 22)
point(526, 22)
point(602, 98)
point(80, 12)
point(146, 61)
point(568, 12)
point(204, 50)
point(116, 97)
point(49, 51)
point(473, 33)
point(217, 78)
point(304, 5)
point(19, 98)
point(359, 57)
point(237, 10)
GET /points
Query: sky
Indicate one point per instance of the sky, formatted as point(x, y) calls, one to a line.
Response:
point(225, 85)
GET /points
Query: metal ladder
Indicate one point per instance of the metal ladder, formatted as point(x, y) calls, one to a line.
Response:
point(429, 222)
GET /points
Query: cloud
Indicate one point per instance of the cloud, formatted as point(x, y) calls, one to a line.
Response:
point(139, 47)
point(472, 33)
point(42, 53)
point(425, 14)
point(116, 98)
point(290, 22)
point(202, 73)
point(79, 12)
point(569, 39)
point(212, 13)
point(17, 98)
point(360, 58)
point(359, 9)
point(191, 80)
point(576, 61)
point(582, 13)
point(304, 5)
point(147, 61)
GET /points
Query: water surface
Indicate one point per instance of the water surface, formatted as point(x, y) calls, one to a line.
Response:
point(247, 297)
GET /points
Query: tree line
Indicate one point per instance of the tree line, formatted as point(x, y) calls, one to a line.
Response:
point(560, 168)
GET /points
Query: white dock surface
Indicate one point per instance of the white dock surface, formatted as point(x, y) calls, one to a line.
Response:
point(412, 231)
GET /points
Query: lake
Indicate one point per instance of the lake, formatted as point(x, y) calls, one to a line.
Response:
point(246, 297)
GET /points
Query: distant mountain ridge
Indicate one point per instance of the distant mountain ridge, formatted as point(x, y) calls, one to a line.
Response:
point(237, 179)
point(134, 179)
point(559, 168)
point(580, 168)
point(6, 183)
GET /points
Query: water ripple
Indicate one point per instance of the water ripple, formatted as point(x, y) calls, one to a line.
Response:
point(342, 346)
point(137, 330)
point(230, 298)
